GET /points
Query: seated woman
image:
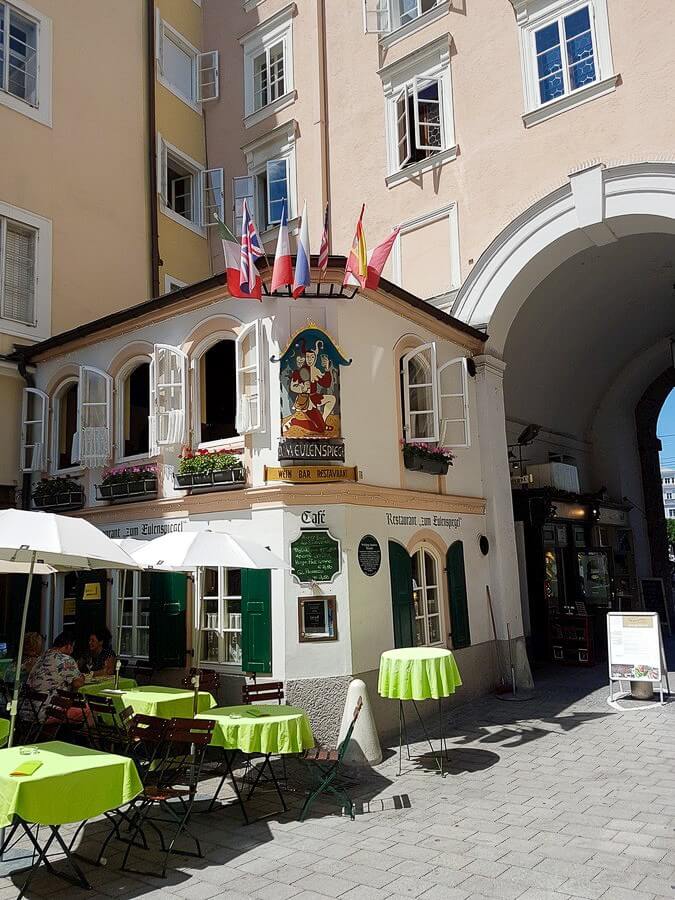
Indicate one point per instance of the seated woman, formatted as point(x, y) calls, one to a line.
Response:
point(101, 659)
point(57, 670)
point(32, 650)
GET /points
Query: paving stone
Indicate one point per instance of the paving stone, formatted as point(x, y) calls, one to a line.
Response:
point(327, 885)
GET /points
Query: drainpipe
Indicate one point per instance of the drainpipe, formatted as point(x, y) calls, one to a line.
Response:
point(323, 115)
point(155, 260)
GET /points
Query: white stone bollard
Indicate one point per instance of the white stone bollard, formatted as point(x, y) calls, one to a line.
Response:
point(364, 748)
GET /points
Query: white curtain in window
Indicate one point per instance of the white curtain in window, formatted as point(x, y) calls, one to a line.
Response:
point(249, 379)
point(168, 379)
point(94, 417)
point(453, 383)
point(33, 430)
point(420, 394)
point(18, 245)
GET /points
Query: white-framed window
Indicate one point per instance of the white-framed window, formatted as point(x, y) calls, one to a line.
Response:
point(25, 273)
point(387, 16)
point(427, 608)
point(242, 189)
point(172, 284)
point(214, 391)
point(221, 616)
point(669, 496)
point(272, 173)
point(565, 54)
point(65, 449)
point(268, 65)
point(435, 399)
point(671, 513)
point(168, 394)
point(25, 60)
point(94, 417)
point(34, 413)
point(132, 413)
point(187, 73)
point(189, 194)
point(135, 613)
point(250, 379)
point(419, 114)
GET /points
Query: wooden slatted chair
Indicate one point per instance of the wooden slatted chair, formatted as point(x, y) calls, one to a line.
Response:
point(209, 680)
point(265, 692)
point(325, 766)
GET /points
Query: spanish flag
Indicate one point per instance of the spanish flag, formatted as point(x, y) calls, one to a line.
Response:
point(357, 262)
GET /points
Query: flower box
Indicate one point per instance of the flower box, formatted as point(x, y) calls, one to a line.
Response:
point(61, 502)
point(223, 479)
point(129, 490)
point(427, 458)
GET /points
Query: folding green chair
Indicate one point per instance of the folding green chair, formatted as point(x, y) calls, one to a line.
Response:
point(325, 767)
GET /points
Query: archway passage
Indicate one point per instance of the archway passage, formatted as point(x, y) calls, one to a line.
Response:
point(578, 297)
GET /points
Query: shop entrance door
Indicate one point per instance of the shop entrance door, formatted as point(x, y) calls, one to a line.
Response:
point(90, 608)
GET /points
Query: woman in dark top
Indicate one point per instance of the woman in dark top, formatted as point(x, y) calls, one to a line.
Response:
point(101, 659)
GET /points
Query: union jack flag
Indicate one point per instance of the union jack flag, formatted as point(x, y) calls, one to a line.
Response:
point(323, 250)
point(251, 249)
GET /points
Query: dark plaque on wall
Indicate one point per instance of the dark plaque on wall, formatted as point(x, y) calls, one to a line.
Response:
point(369, 555)
point(315, 556)
point(309, 451)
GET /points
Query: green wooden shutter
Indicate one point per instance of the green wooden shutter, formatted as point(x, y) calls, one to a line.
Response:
point(168, 594)
point(256, 620)
point(400, 574)
point(457, 600)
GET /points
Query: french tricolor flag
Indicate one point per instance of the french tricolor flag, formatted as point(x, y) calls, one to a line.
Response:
point(302, 274)
point(282, 273)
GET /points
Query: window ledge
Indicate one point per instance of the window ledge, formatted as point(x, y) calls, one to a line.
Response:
point(424, 165)
point(233, 443)
point(570, 101)
point(275, 106)
point(404, 31)
point(26, 109)
point(181, 220)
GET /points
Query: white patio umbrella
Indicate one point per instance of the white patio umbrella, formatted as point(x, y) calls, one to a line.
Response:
point(184, 551)
point(129, 545)
point(63, 542)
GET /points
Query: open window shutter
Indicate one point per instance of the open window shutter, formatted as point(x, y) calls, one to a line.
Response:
point(376, 16)
point(250, 393)
point(457, 599)
point(168, 388)
point(153, 449)
point(428, 113)
point(33, 430)
point(95, 417)
point(453, 403)
point(162, 175)
point(242, 189)
point(402, 129)
point(168, 596)
point(420, 395)
point(208, 82)
point(256, 620)
point(159, 41)
point(400, 575)
point(212, 196)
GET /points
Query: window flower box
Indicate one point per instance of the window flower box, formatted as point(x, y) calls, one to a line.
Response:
point(429, 458)
point(217, 470)
point(128, 483)
point(58, 495)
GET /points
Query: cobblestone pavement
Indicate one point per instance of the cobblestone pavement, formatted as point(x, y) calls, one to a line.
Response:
point(559, 797)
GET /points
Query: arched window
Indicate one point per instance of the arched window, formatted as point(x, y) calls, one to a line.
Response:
point(216, 393)
point(427, 612)
point(133, 411)
point(66, 451)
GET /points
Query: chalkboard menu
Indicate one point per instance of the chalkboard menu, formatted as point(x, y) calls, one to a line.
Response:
point(654, 599)
point(369, 555)
point(315, 556)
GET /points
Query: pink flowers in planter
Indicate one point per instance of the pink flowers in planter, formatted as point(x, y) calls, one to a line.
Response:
point(129, 474)
point(429, 451)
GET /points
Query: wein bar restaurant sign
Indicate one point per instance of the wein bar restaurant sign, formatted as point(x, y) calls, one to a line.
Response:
point(311, 474)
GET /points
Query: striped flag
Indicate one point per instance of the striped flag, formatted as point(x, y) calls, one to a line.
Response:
point(282, 274)
point(231, 254)
point(251, 249)
point(377, 260)
point(323, 250)
point(357, 261)
point(303, 277)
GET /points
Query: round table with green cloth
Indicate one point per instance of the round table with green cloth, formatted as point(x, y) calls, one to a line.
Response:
point(165, 702)
point(97, 687)
point(260, 729)
point(417, 673)
point(73, 784)
point(4, 731)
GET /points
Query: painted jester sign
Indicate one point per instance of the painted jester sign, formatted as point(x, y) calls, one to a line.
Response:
point(310, 386)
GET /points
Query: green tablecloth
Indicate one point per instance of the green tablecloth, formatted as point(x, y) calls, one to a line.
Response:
point(417, 673)
point(73, 783)
point(261, 729)
point(165, 702)
point(97, 688)
point(4, 731)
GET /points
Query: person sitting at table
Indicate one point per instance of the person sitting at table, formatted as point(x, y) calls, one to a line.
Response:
point(101, 659)
point(32, 650)
point(56, 670)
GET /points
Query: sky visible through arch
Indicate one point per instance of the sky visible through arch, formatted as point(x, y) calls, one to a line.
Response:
point(665, 429)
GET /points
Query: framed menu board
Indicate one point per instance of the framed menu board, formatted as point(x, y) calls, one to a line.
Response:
point(316, 619)
point(315, 556)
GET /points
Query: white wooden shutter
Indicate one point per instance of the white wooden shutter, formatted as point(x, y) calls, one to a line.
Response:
point(453, 403)
point(18, 246)
point(250, 379)
point(242, 189)
point(428, 115)
point(153, 449)
point(208, 76)
point(376, 16)
point(94, 417)
point(420, 394)
point(168, 396)
point(33, 430)
point(403, 148)
point(162, 174)
point(212, 195)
